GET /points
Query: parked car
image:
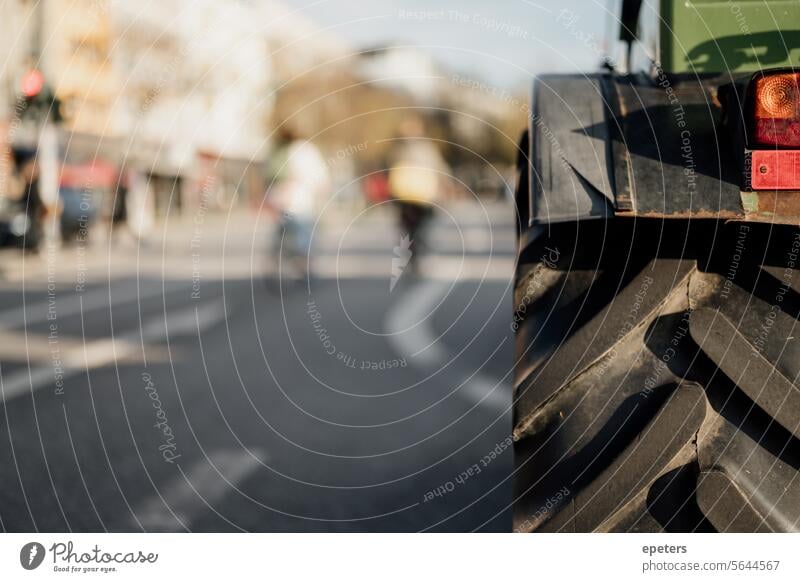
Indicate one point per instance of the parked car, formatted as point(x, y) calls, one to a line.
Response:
point(20, 204)
point(14, 222)
point(79, 209)
point(84, 195)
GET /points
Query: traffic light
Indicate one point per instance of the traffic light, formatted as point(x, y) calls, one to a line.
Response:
point(38, 100)
point(32, 83)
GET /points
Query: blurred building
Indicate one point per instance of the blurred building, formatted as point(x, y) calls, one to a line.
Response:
point(175, 94)
point(195, 104)
point(297, 45)
point(177, 100)
point(475, 120)
point(16, 46)
point(74, 57)
point(402, 68)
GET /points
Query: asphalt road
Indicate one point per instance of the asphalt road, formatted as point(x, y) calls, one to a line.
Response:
point(183, 385)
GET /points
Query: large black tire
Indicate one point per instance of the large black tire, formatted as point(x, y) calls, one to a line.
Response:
point(656, 381)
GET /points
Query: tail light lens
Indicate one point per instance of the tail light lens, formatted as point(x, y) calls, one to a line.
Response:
point(777, 110)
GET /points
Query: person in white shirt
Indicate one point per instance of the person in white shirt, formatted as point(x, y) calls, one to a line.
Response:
point(299, 181)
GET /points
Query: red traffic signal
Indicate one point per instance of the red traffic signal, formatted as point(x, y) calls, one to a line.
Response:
point(32, 83)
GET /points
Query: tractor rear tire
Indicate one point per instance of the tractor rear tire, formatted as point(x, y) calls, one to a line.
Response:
point(657, 377)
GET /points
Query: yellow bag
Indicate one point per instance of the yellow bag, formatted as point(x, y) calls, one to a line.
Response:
point(414, 184)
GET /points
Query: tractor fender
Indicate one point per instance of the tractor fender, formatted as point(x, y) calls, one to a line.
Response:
point(607, 145)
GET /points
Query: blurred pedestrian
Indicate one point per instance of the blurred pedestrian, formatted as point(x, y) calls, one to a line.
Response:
point(30, 201)
point(118, 223)
point(298, 181)
point(140, 207)
point(417, 178)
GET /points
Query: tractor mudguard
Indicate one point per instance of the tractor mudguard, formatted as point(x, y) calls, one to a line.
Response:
point(569, 169)
point(638, 146)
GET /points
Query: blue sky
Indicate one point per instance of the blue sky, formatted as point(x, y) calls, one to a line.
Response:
point(504, 41)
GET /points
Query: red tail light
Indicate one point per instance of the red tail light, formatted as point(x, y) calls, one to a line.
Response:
point(777, 110)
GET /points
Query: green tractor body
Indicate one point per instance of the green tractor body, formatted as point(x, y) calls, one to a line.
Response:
point(728, 36)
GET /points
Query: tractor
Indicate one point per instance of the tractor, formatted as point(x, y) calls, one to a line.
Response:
point(657, 288)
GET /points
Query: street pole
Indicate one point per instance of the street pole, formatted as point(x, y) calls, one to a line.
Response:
point(47, 148)
point(49, 161)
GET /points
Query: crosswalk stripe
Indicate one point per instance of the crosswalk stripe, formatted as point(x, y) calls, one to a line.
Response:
point(410, 332)
point(71, 304)
point(102, 352)
point(197, 490)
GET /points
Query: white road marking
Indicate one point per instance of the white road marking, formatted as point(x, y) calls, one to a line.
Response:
point(102, 352)
point(71, 304)
point(198, 490)
point(412, 336)
point(440, 268)
point(471, 238)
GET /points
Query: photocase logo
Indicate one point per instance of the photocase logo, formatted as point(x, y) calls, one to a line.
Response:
point(402, 255)
point(31, 555)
